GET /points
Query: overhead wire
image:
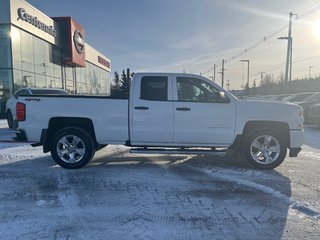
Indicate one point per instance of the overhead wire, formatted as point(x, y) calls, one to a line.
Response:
point(269, 36)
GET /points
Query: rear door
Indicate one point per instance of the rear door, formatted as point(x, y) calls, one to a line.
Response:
point(152, 110)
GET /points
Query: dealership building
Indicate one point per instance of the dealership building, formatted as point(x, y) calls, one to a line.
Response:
point(47, 52)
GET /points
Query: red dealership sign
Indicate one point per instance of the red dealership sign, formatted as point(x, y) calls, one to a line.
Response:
point(104, 62)
point(75, 41)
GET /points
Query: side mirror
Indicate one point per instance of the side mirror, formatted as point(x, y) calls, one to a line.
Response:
point(222, 98)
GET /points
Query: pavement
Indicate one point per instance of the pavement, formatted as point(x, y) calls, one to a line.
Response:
point(119, 195)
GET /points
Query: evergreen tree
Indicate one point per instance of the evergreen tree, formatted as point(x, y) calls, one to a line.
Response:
point(125, 84)
point(115, 86)
point(121, 85)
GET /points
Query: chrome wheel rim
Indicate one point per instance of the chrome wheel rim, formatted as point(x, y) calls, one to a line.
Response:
point(71, 149)
point(265, 149)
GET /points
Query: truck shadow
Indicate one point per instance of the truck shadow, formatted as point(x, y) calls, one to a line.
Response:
point(241, 200)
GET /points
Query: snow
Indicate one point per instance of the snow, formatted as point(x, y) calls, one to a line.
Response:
point(124, 196)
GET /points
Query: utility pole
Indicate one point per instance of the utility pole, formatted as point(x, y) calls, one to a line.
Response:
point(288, 71)
point(310, 71)
point(228, 84)
point(247, 61)
point(286, 77)
point(214, 72)
point(222, 72)
point(261, 76)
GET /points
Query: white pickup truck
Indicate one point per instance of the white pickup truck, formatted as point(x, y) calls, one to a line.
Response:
point(165, 113)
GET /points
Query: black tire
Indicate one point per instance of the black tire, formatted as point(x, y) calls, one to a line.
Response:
point(9, 119)
point(72, 148)
point(264, 148)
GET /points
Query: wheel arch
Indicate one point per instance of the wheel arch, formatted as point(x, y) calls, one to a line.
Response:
point(58, 123)
point(280, 127)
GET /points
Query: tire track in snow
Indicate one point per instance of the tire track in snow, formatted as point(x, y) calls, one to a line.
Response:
point(229, 176)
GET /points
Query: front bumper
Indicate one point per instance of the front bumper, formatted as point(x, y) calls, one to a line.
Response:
point(296, 141)
point(294, 152)
point(296, 138)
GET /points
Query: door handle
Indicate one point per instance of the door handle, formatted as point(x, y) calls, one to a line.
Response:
point(141, 108)
point(183, 109)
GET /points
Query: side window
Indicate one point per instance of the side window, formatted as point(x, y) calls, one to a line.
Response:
point(195, 90)
point(154, 88)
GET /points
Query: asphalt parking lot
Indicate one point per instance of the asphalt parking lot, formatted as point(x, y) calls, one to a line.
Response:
point(123, 196)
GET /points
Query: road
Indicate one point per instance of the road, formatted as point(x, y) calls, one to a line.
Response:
point(123, 196)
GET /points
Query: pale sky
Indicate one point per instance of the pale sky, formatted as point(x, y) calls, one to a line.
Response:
point(192, 35)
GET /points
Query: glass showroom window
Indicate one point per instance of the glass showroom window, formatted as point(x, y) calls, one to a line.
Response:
point(39, 56)
point(57, 60)
point(5, 59)
point(5, 67)
point(48, 60)
point(27, 52)
point(16, 47)
point(18, 80)
point(5, 88)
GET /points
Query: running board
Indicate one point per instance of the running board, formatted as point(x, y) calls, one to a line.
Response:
point(178, 151)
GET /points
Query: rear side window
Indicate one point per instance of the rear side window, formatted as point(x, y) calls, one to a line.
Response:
point(154, 88)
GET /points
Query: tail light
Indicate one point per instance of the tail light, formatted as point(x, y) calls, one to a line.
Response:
point(21, 111)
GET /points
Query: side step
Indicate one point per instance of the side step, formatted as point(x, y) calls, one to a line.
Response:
point(178, 151)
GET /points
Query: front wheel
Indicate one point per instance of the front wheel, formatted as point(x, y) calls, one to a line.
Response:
point(72, 148)
point(264, 149)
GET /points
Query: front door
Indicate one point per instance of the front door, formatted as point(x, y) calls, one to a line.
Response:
point(201, 115)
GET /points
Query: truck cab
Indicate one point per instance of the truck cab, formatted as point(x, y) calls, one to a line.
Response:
point(180, 110)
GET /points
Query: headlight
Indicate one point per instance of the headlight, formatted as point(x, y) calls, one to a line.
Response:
point(300, 113)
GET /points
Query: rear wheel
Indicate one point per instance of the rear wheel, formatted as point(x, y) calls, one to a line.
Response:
point(9, 119)
point(264, 149)
point(72, 148)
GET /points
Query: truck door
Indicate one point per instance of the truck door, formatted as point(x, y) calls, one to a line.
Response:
point(152, 111)
point(201, 115)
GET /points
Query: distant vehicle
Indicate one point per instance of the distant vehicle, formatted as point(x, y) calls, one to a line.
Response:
point(306, 104)
point(11, 103)
point(281, 97)
point(298, 97)
point(314, 114)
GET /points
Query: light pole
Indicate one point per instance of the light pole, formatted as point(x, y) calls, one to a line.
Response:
point(247, 61)
point(310, 71)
